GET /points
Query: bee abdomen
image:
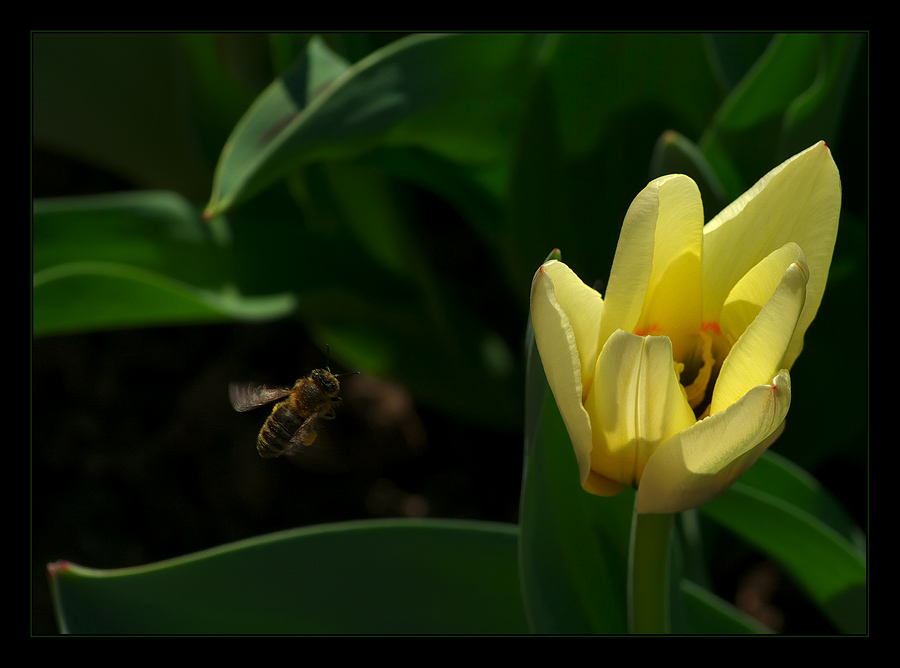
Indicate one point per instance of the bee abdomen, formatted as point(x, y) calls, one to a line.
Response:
point(275, 435)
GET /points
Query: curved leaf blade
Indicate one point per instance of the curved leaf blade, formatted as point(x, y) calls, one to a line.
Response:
point(134, 259)
point(425, 90)
point(706, 613)
point(826, 564)
point(156, 230)
point(573, 546)
point(784, 71)
point(775, 475)
point(391, 576)
point(88, 296)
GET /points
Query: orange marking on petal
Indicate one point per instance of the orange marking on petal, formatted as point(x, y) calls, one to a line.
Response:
point(645, 331)
point(711, 327)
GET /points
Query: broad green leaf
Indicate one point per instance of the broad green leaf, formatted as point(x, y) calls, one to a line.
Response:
point(354, 46)
point(222, 75)
point(706, 613)
point(574, 546)
point(155, 230)
point(775, 475)
point(785, 70)
point(286, 47)
point(350, 197)
point(786, 522)
point(390, 576)
point(88, 296)
point(454, 94)
point(731, 55)
point(817, 112)
point(791, 97)
point(134, 259)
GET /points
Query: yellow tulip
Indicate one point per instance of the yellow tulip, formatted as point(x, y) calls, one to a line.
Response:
point(678, 380)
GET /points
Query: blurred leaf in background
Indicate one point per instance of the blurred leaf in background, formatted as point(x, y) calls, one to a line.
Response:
point(391, 195)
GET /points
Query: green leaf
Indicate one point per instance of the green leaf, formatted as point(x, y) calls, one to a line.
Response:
point(574, 546)
point(706, 613)
point(156, 230)
point(134, 259)
point(732, 55)
point(222, 75)
point(790, 518)
point(453, 94)
point(390, 576)
point(89, 296)
point(775, 475)
point(816, 113)
point(792, 96)
point(784, 71)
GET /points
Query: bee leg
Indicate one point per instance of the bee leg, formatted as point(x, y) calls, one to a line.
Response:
point(328, 413)
point(306, 434)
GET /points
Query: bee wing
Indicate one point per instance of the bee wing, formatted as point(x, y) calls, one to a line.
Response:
point(245, 397)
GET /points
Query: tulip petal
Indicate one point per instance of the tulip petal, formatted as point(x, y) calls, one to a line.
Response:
point(637, 403)
point(799, 201)
point(696, 465)
point(760, 351)
point(654, 284)
point(557, 344)
point(751, 293)
point(583, 305)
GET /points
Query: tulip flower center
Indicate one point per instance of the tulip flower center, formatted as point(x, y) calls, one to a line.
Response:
point(699, 369)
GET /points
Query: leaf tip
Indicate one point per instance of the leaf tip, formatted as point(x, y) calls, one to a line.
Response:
point(53, 569)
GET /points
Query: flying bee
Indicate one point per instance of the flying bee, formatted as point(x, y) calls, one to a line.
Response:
point(291, 423)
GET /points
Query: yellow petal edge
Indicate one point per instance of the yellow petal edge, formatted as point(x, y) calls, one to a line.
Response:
point(698, 464)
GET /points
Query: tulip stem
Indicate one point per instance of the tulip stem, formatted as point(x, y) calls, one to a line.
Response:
point(648, 574)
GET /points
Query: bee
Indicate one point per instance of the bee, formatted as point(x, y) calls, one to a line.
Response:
point(290, 426)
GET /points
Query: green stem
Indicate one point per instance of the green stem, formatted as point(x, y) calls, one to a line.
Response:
point(648, 574)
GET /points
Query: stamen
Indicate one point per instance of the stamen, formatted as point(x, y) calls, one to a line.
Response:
point(696, 390)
